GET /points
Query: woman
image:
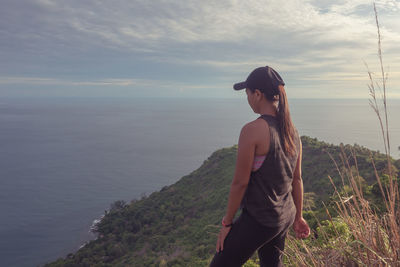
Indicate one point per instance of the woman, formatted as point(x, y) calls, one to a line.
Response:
point(267, 184)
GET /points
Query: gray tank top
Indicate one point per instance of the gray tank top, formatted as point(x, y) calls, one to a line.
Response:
point(268, 197)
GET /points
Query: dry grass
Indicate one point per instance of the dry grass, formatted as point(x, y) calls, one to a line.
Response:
point(358, 236)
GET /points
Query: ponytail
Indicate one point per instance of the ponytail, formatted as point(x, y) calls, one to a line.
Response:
point(285, 123)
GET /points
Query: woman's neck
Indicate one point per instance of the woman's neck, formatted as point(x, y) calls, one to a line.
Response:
point(268, 110)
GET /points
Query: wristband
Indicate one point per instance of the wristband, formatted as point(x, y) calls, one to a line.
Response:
point(224, 224)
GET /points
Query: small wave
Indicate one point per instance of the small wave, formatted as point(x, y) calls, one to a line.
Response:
point(84, 244)
point(93, 227)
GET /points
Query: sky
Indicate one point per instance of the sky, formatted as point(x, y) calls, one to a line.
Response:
point(171, 48)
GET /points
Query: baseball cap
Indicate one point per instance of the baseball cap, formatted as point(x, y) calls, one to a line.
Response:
point(265, 79)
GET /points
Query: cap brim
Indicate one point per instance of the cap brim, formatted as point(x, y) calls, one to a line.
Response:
point(239, 86)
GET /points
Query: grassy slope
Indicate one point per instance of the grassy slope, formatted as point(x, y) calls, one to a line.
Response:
point(177, 226)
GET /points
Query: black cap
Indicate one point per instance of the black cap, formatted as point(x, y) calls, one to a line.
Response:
point(265, 79)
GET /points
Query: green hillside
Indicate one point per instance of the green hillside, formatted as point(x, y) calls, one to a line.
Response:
point(177, 226)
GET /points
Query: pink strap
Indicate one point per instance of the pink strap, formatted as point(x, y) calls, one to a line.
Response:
point(258, 161)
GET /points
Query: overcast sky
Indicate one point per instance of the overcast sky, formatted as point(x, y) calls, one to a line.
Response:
point(193, 48)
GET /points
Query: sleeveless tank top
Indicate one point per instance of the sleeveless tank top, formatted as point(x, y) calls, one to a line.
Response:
point(268, 197)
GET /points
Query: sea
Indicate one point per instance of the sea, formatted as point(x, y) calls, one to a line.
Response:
point(65, 160)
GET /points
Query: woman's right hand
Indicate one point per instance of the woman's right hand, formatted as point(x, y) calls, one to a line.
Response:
point(301, 228)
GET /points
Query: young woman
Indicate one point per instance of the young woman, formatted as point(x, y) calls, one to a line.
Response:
point(267, 184)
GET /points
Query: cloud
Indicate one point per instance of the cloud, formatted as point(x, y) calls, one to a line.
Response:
point(179, 41)
point(133, 83)
point(151, 26)
point(53, 81)
point(130, 23)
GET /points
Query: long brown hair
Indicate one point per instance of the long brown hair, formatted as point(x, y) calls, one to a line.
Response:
point(284, 121)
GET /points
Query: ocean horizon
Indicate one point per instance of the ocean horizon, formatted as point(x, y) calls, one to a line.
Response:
point(66, 159)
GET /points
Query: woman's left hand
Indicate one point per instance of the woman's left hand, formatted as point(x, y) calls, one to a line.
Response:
point(221, 237)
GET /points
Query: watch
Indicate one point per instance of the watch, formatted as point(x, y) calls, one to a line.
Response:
point(224, 224)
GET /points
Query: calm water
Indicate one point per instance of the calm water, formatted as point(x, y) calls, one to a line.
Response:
point(65, 160)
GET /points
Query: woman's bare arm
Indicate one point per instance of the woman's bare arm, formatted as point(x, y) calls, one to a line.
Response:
point(245, 157)
point(300, 225)
point(297, 186)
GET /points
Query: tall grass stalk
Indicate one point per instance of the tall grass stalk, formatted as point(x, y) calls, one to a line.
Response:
point(360, 235)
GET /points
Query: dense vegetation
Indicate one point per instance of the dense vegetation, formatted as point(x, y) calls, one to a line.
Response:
point(177, 226)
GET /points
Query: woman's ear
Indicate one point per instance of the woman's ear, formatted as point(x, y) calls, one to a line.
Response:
point(258, 93)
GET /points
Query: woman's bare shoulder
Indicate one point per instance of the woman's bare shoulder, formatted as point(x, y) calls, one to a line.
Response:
point(257, 133)
point(257, 123)
point(257, 126)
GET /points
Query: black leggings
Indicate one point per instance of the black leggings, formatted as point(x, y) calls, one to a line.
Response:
point(245, 237)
